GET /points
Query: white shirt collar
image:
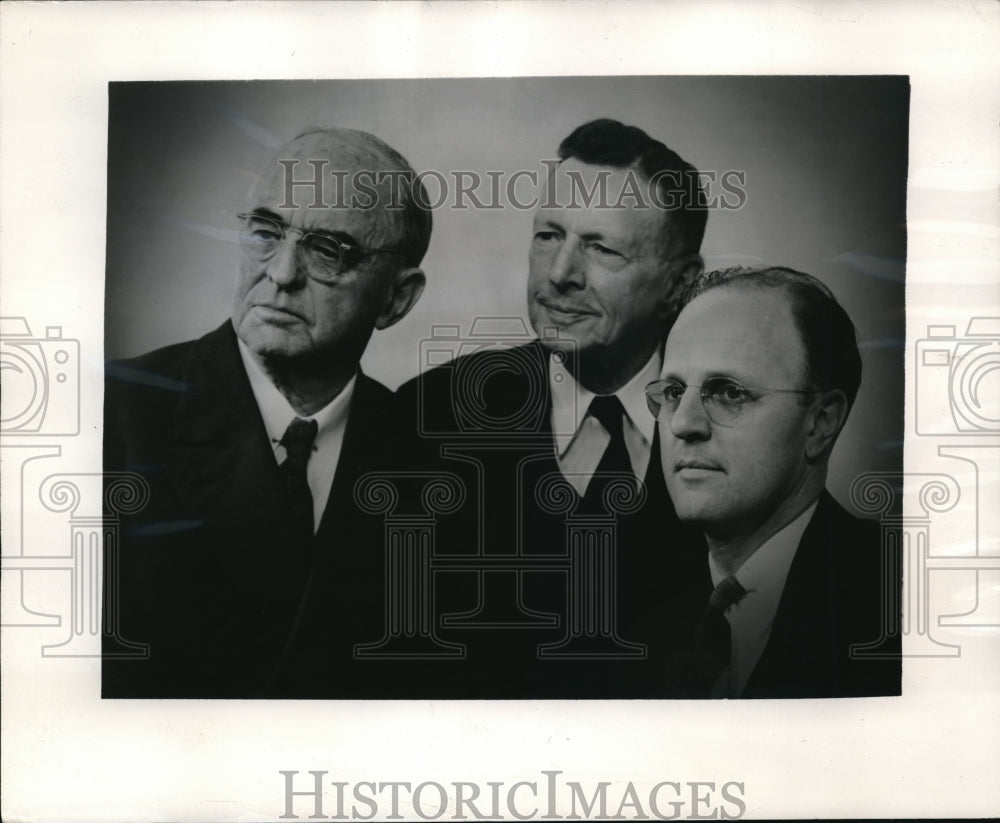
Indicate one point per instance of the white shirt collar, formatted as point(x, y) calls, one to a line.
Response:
point(278, 413)
point(765, 571)
point(570, 400)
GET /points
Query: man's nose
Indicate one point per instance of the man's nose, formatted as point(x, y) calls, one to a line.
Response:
point(284, 269)
point(690, 420)
point(567, 267)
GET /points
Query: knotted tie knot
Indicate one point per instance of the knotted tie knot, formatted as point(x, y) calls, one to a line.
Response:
point(608, 410)
point(728, 592)
point(298, 440)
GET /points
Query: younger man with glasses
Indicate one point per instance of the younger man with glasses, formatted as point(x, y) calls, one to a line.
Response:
point(250, 573)
point(760, 371)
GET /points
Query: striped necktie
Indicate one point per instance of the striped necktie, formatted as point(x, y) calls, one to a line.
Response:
point(713, 640)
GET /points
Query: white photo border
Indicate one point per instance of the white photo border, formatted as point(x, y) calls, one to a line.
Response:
point(70, 756)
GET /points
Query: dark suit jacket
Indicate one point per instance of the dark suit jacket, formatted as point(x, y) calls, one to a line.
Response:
point(487, 417)
point(842, 590)
point(207, 576)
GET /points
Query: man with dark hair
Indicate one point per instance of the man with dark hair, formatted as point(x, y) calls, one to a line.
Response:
point(608, 275)
point(251, 572)
point(671, 183)
point(616, 238)
point(760, 372)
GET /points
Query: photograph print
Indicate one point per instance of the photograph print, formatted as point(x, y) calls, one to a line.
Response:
point(504, 388)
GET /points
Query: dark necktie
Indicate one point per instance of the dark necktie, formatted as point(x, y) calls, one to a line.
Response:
point(611, 414)
point(713, 640)
point(298, 442)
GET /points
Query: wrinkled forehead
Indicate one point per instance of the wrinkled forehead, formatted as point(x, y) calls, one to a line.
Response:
point(573, 183)
point(337, 181)
point(743, 332)
point(603, 195)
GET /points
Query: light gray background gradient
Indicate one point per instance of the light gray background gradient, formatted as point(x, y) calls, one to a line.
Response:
point(825, 160)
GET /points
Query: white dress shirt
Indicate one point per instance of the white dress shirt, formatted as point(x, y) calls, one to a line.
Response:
point(763, 575)
point(581, 440)
point(278, 413)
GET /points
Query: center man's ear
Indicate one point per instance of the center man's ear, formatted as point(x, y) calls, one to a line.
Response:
point(826, 419)
point(402, 295)
point(681, 272)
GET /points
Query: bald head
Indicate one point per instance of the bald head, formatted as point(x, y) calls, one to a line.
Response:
point(348, 169)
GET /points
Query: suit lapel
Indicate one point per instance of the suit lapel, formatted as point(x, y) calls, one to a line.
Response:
point(528, 392)
point(344, 599)
point(225, 474)
point(801, 640)
point(222, 457)
point(369, 431)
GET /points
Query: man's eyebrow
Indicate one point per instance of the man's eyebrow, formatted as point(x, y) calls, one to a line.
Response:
point(270, 215)
point(603, 237)
point(342, 236)
point(551, 224)
point(672, 377)
point(712, 375)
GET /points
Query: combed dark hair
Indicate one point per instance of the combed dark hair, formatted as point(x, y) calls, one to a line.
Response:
point(827, 333)
point(607, 142)
point(417, 219)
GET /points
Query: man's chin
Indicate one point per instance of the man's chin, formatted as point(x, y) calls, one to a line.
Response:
point(691, 508)
point(270, 343)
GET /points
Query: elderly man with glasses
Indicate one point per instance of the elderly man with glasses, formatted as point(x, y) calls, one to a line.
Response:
point(793, 597)
point(247, 573)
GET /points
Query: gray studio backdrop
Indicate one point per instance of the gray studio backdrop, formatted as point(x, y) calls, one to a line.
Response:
point(824, 159)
